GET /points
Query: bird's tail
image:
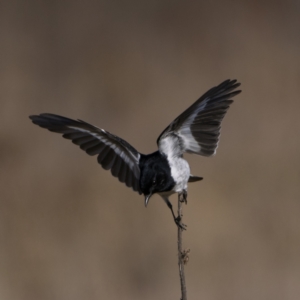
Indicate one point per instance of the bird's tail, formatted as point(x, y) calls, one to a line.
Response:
point(195, 178)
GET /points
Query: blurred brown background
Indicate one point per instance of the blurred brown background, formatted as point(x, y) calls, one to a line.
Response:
point(68, 229)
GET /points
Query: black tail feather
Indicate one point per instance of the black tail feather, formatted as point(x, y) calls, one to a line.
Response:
point(195, 178)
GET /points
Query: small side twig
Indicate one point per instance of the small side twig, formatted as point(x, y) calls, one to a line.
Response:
point(181, 254)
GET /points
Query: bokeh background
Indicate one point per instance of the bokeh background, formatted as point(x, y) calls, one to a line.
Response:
point(68, 229)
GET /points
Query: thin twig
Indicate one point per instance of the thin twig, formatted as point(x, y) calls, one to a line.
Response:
point(180, 254)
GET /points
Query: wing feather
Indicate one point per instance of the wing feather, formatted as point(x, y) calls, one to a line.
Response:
point(197, 129)
point(113, 153)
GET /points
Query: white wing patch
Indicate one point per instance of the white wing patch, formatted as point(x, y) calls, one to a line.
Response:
point(190, 143)
point(169, 146)
point(182, 140)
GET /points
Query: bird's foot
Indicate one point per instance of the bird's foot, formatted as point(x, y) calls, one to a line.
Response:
point(183, 196)
point(179, 223)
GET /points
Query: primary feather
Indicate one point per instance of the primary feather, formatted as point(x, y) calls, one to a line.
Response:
point(197, 129)
point(114, 153)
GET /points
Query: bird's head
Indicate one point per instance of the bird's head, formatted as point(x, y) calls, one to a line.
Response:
point(154, 181)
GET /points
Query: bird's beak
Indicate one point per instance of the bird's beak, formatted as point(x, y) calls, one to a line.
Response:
point(147, 197)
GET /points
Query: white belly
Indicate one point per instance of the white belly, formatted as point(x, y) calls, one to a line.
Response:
point(180, 171)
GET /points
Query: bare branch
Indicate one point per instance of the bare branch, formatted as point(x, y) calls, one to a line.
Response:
point(181, 254)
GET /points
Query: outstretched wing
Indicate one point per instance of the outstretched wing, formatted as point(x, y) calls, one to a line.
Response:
point(197, 129)
point(114, 153)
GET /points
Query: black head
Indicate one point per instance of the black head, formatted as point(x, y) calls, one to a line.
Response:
point(155, 175)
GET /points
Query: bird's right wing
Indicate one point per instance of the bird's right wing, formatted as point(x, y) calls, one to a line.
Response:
point(114, 153)
point(197, 129)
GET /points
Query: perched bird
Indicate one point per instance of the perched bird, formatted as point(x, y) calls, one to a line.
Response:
point(165, 171)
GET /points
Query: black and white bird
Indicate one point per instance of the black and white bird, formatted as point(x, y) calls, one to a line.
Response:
point(165, 171)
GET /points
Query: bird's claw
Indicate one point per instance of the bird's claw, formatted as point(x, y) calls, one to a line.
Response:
point(179, 223)
point(183, 196)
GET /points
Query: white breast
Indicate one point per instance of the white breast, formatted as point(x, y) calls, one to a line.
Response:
point(180, 171)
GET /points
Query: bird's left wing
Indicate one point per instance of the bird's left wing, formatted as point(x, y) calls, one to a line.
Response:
point(114, 153)
point(197, 129)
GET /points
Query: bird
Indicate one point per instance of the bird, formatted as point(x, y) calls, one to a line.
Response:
point(165, 171)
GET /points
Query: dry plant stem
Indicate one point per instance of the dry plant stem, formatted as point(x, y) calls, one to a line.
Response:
point(180, 257)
